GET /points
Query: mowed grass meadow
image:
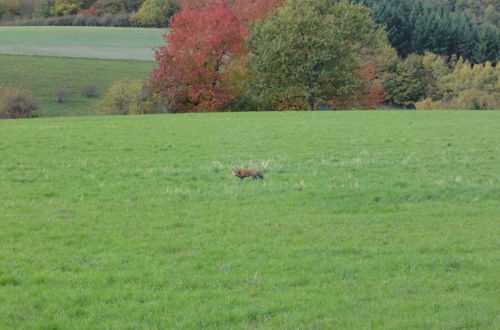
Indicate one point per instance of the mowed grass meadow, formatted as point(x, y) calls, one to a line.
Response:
point(386, 219)
point(116, 43)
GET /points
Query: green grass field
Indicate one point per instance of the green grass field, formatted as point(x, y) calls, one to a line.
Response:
point(364, 220)
point(77, 41)
point(42, 76)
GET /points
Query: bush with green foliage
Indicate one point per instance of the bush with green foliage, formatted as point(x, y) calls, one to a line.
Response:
point(122, 20)
point(155, 13)
point(62, 94)
point(128, 97)
point(16, 103)
point(85, 20)
point(67, 7)
point(89, 91)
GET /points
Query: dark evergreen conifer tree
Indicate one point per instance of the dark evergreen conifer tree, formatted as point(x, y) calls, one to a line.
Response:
point(416, 26)
point(488, 48)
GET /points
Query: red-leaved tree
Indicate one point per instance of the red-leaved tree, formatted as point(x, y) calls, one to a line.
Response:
point(374, 92)
point(197, 59)
point(368, 95)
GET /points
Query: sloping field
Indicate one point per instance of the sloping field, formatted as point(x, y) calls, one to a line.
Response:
point(85, 42)
point(364, 220)
point(42, 76)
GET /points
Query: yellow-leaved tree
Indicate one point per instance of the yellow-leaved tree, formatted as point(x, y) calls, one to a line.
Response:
point(466, 86)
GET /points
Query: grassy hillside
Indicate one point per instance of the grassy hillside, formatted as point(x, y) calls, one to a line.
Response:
point(77, 41)
point(364, 220)
point(43, 76)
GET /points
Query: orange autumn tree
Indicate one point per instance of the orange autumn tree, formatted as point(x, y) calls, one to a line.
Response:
point(193, 66)
point(372, 92)
point(201, 66)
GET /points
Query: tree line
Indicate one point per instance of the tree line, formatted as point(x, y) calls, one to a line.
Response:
point(419, 26)
point(310, 55)
point(147, 13)
point(248, 55)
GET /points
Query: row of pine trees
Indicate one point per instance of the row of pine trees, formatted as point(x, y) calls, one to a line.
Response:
point(419, 26)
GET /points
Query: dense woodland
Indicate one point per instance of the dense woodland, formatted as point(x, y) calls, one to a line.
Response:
point(429, 58)
point(148, 13)
point(462, 28)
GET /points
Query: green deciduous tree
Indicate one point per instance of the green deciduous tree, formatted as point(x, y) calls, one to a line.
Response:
point(406, 85)
point(67, 7)
point(306, 53)
point(9, 8)
point(43, 8)
point(435, 67)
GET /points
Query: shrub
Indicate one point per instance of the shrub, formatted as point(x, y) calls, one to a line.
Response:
point(16, 103)
point(429, 104)
point(127, 97)
point(474, 99)
point(105, 20)
point(120, 20)
point(78, 20)
point(85, 20)
point(155, 13)
point(89, 91)
point(466, 86)
point(61, 94)
point(60, 21)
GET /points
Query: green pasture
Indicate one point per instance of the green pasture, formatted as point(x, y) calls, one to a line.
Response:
point(76, 41)
point(42, 76)
point(386, 219)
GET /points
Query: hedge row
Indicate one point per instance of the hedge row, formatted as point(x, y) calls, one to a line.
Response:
point(122, 20)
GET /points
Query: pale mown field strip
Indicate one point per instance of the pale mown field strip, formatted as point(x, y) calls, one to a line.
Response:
point(85, 42)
